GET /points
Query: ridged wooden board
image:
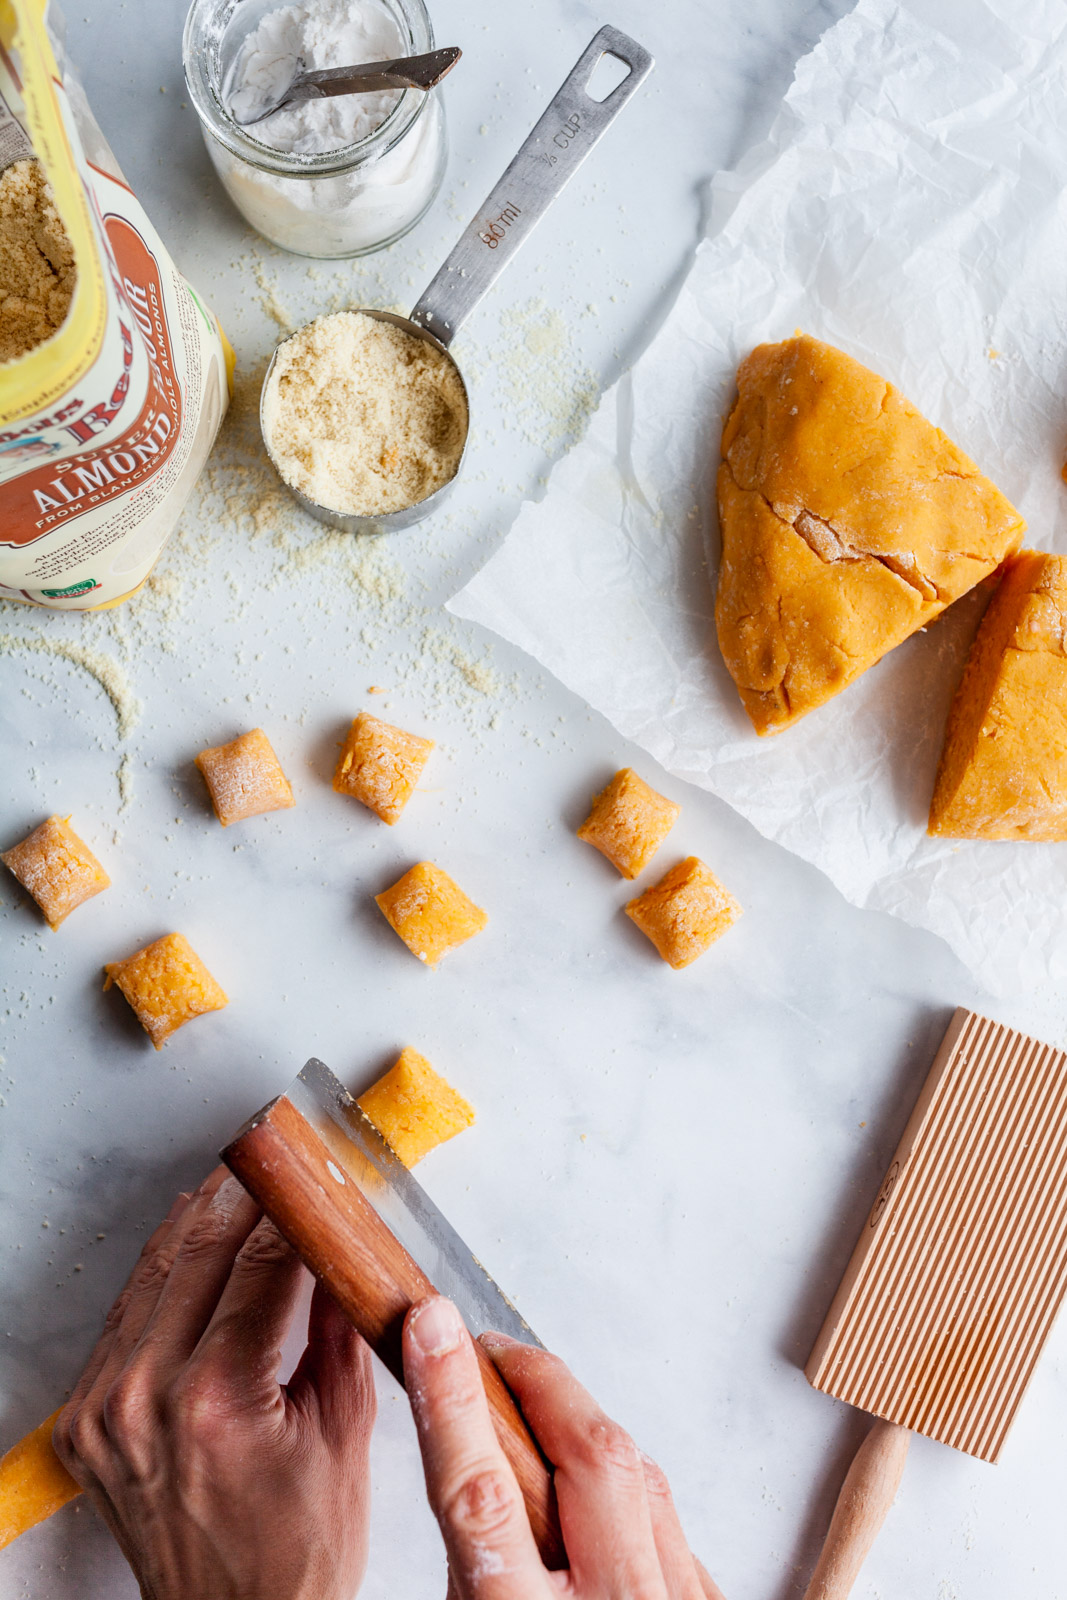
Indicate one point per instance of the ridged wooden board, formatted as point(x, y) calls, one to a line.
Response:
point(961, 1268)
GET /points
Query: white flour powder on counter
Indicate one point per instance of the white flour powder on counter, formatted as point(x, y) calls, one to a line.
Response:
point(333, 177)
point(319, 33)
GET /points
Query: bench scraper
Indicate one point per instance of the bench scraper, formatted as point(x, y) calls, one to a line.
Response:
point(369, 1232)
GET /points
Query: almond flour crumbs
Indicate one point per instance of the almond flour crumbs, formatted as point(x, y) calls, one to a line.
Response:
point(37, 270)
point(104, 669)
point(349, 286)
point(549, 396)
point(357, 589)
point(125, 781)
point(238, 501)
point(362, 417)
point(376, 573)
point(271, 301)
point(478, 675)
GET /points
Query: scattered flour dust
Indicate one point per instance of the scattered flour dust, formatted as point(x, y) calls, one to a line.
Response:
point(105, 669)
point(375, 572)
point(476, 674)
point(271, 300)
point(125, 777)
point(547, 391)
point(357, 585)
point(243, 533)
point(486, 1562)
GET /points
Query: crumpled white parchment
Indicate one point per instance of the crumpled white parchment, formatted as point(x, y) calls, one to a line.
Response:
point(909, 205)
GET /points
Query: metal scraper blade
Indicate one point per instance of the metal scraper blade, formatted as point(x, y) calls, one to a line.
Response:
point(403, 1204)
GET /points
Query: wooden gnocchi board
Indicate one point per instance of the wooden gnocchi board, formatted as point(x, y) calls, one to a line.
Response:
point(961, 1267)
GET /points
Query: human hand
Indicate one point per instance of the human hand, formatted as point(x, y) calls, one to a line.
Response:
point(620, 1527)
point(217, 1482)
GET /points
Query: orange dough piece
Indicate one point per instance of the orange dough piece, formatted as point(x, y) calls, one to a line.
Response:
point(414, 1108)
point(1003, 771)
point(57, 868)
point(380, 765)
point(244, 778)
point(167, 985)
point(848, 522)
point(430, 912)
point(33, 1483)
point(628, 822)
point(685, 912)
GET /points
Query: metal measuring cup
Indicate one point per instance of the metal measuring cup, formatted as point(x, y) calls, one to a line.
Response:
point(555, 149)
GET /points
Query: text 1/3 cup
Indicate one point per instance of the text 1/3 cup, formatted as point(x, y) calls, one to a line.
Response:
point(334, 203)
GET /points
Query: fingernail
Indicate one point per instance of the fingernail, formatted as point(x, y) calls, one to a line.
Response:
point(437, 1327)
point(498, 1341)
point(178, 1207)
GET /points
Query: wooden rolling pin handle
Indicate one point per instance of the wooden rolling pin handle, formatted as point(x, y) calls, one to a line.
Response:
point(867, 1493)
point(285, 1166)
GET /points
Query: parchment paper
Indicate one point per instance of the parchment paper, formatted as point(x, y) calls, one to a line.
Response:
point(909, 205)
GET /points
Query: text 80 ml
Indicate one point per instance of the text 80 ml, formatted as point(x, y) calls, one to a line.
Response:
point(495, 231)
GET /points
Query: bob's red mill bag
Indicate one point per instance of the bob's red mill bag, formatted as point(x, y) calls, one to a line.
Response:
point(114, 375)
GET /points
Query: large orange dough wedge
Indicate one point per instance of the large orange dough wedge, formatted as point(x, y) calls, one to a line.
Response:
point(848, 522)
point(1003, 772)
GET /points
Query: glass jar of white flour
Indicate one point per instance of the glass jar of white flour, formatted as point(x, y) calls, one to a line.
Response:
point(327, 178)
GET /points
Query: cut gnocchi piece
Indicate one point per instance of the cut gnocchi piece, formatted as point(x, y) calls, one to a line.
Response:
point(380, 765)
point(244, 778)
point(57, 868)
point(430, 912)
point(167, 985)
point(414, 1108)
point(628, 822)
point(685, 912)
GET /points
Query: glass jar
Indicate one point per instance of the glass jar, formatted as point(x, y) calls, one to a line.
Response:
point(338, 203)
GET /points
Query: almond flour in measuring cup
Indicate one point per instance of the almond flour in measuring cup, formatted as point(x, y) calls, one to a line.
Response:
point(328, 178)
point(363, 418)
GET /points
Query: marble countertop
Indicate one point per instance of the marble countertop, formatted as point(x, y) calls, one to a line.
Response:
point(669, 1169)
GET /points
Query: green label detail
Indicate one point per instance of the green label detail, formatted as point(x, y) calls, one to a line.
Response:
point(198, 303)
point(75, 588)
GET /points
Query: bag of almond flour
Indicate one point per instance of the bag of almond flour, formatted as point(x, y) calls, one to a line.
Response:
point(114, 375)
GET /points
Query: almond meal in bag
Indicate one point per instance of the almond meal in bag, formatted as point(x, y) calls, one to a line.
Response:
point(114, 375)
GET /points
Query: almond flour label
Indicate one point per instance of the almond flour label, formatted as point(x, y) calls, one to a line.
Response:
point(106, 421)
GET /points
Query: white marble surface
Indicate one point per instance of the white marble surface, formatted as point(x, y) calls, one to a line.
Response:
point(669, 1169)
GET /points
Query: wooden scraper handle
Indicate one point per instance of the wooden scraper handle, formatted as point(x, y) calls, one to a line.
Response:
point(866, 1495)
point(287, 1169)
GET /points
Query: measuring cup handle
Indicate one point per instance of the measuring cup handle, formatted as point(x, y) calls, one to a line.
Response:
point(555, 149)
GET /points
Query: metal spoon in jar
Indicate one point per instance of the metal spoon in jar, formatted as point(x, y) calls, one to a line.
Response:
point(406, 72)
point(556, 148)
